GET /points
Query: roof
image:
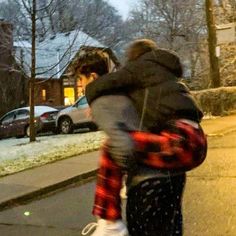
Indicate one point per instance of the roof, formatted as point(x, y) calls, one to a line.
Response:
point(54, 53)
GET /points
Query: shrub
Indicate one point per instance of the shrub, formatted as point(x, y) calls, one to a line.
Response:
point(216, 101)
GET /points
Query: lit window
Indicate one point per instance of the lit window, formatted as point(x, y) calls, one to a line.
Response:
point(44, 95)
point(69, 96)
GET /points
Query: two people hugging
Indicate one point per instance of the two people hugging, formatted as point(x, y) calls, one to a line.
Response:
point(154, 137)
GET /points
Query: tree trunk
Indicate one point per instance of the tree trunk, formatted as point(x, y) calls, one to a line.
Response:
point(212, 43)
point(32, 79)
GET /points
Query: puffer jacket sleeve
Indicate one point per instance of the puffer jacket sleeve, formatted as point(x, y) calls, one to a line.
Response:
point(118, 81)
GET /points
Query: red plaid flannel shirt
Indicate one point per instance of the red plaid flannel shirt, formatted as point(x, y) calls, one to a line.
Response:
point(183, 147)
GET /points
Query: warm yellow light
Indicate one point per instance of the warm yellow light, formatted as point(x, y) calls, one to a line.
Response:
point(69, 97)
point(44, 94)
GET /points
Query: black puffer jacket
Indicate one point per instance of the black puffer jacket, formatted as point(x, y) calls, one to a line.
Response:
point(158, 71)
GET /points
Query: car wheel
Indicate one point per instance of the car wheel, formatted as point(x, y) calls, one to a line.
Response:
point(27, 131)
point(66, 126)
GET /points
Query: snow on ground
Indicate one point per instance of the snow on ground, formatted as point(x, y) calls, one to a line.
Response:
point(20, 154)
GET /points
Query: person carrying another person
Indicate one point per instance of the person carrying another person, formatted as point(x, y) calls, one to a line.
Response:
point(164, 140)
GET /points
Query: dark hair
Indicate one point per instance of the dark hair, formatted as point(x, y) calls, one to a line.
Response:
point(138, 47)
point(93, 62)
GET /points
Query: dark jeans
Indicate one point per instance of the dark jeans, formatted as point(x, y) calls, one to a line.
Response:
point(154, 207)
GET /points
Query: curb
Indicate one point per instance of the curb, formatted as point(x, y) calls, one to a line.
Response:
point(45, 190)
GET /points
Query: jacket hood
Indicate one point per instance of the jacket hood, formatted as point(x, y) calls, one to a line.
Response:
point(167, 59)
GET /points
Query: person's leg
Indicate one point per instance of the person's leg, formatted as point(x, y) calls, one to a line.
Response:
point(154, 207)
point(115, 115)
point(107, 203)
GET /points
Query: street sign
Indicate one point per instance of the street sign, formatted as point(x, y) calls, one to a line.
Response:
point(226, 33)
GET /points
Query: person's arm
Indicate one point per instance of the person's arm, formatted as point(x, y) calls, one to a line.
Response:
point(123, 79)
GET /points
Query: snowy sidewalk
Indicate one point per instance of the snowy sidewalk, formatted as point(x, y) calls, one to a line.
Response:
point(30, 183)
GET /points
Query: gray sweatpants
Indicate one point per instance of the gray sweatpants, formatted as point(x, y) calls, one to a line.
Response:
point(116, 115)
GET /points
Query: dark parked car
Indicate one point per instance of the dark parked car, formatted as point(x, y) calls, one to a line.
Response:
point(75, 116)
point(16, 123)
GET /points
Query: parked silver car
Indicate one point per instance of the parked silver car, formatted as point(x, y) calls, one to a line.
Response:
point(75, 116)
point(16, 122)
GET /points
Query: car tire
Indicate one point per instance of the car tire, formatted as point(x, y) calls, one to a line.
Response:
point(27, 131)
point(66, 125)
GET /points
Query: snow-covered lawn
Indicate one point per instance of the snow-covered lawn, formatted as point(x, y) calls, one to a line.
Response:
point(20, 154)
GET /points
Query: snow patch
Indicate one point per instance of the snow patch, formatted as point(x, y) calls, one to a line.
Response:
point(20, 154)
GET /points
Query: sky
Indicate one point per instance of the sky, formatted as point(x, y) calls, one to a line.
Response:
point(123, 6)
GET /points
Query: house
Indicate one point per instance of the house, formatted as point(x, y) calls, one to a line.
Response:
point(56, 56)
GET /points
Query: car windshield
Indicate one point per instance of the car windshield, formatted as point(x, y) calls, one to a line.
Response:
point(81, 102)
point(8, 118)
point(39, 110)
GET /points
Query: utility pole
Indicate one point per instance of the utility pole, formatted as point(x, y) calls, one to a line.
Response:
point(33, 65)
point(212, 43)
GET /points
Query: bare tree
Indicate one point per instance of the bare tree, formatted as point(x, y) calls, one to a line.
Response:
point(226, 11)
point(94, 17)
point(32, 11)
point(212, 43)
point(39, 19)
point(174, 24)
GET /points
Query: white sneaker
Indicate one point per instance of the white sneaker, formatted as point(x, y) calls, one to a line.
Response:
point(117, 228)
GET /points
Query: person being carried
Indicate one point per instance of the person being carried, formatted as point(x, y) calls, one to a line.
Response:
point(173, 144)
point(117, 117)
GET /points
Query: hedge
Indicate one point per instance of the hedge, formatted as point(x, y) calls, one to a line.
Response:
point(217, 101)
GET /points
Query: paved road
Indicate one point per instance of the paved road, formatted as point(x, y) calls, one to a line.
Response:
point(209, 201)
point(61, 214)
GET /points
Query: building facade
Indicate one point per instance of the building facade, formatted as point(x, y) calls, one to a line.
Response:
point(56, 84)
point(13, 83)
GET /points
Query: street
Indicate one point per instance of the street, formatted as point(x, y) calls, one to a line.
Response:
point(209, 201)
point(64, 213)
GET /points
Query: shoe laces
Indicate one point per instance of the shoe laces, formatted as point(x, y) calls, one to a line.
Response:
point(89, 227)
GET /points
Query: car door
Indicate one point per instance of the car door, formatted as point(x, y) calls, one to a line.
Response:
point(21, 120)
point(80, 111)
point(6, 124)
